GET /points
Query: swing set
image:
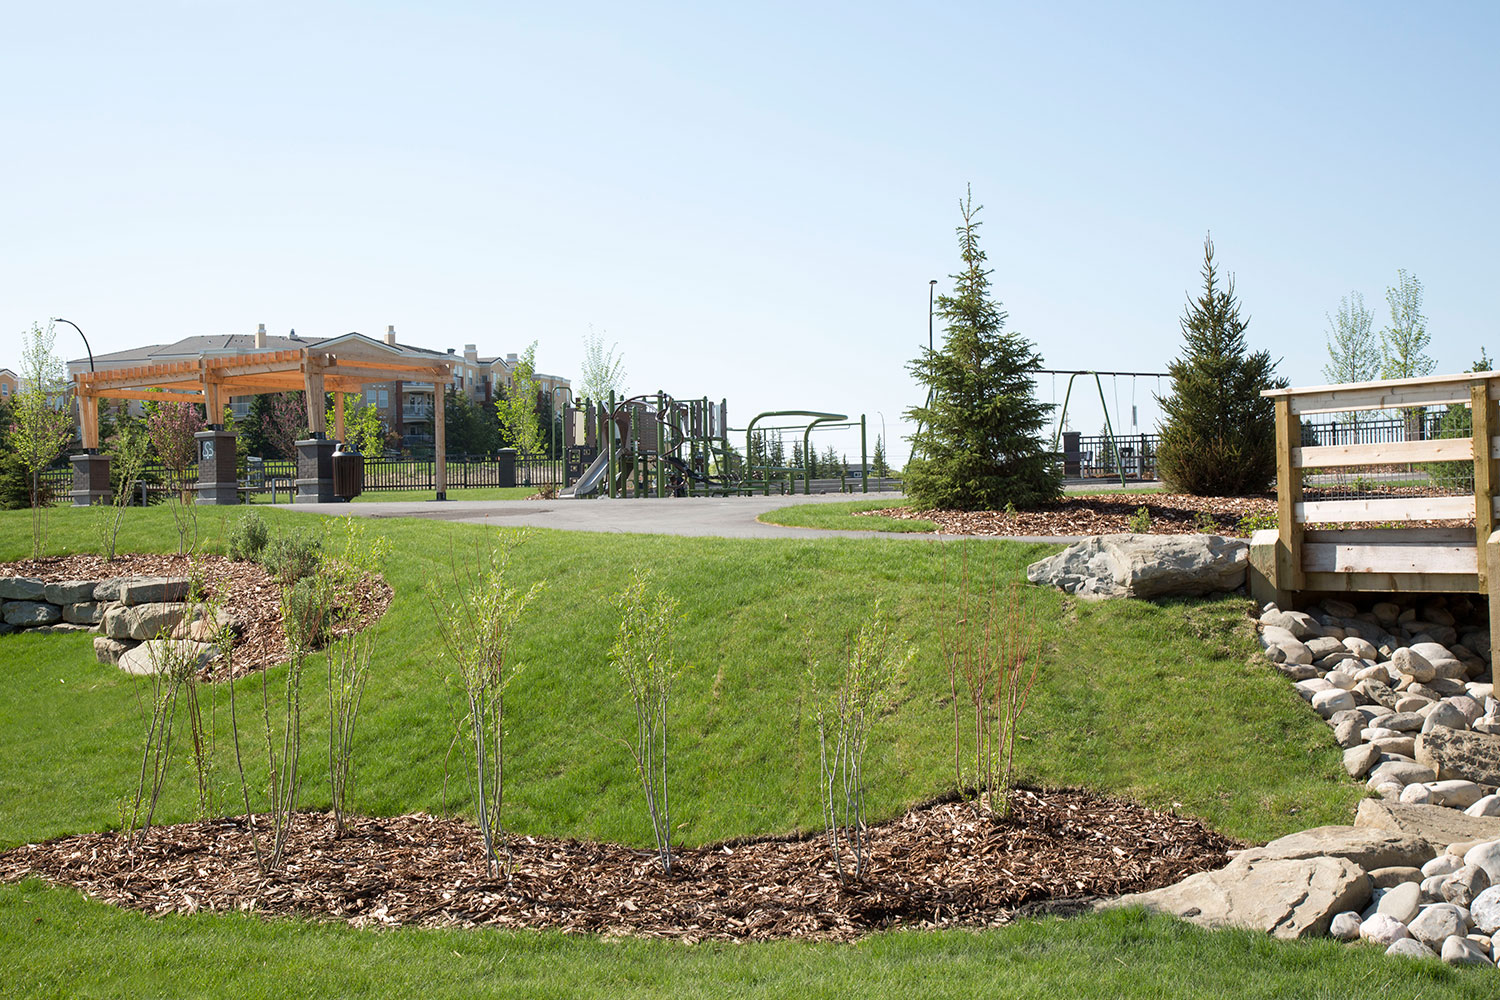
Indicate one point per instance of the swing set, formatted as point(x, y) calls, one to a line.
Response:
point(1109, 427)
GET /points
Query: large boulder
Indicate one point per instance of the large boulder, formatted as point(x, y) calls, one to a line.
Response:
point(157, 656)
point(1367, 847)
point(1460, 753)
point(1438, 825)
point(27, 614)
point(1129, 565)
point(22, 588)
point(1287, 897)
point(143, 621)
point(70, 591)
point(153, 590)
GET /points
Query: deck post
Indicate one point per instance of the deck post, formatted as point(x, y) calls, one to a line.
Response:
point(1482, 424)
point(1289, 576)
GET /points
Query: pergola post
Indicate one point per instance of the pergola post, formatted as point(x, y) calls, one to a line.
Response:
point(440, 441)
point(91, 482)
point(338, 416)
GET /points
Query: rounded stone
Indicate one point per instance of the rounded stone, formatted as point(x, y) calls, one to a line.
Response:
point(1382, 928)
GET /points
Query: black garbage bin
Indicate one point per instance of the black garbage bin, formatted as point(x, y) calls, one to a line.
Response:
point(348, 472)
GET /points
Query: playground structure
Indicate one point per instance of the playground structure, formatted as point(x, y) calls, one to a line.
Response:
point(1321, 490)
point(655, 445)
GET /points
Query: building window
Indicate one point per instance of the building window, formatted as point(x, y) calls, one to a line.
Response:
point(378, 398)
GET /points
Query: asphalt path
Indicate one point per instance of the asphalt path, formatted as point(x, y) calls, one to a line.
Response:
point(721, 517)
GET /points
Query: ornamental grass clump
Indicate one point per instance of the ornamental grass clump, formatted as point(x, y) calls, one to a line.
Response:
point(479, 623)
point(847, 713)
point(642, 653)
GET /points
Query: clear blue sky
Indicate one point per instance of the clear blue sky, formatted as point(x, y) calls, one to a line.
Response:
point(749, 198)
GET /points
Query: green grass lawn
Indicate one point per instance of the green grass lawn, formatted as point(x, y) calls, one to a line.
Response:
point(1167, 703)
point(841, 516)
point(412, 496)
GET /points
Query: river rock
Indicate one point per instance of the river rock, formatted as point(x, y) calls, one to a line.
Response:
point(1359, 759)
point(1487, 806)
point(1413, 665)
point(1455, 793)
point(1461, 951)
point(1326, 703)
point(1463, 885)
point(1130, 565)
point(1368, 848)
point(1410, 947)
point(1485, 909)
point(1436, 923)
point(1345, 926)
point(1445, 715)
point(107, 650)
point(1383, 929)
point(1402, 901)
point(1286, 897)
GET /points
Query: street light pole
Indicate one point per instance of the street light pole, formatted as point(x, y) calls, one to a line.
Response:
point(931, 288)
point(86, 347)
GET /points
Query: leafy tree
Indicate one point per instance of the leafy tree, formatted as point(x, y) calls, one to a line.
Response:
point(1220, 434)
point(979, 444)
point(363, 427)
point(274, 425)
point(171, 429)
point(1353, 349)
point(517, 407)
point(1403, 344)
point(43, 419)
point(602, 371)
point(470, 429)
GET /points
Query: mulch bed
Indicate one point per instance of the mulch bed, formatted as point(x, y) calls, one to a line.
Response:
point(1103, 514)
point(253, 598)
point(1171, 514)
point(939, 865)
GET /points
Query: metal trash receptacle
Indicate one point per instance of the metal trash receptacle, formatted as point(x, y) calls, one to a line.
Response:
point(348, 473)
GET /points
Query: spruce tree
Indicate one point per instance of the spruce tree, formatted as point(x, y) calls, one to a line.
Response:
point(979, 444)
point(1219, 438)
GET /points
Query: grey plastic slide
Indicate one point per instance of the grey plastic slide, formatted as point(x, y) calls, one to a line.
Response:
point(588, 483)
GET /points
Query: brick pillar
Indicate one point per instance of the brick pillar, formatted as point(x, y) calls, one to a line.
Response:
point(91, 480)
point(314, 471)
point(217, 479)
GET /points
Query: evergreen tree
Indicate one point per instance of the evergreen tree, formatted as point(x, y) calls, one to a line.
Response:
point(979, 444)
point(778, 452)
point(1220, 433)
point(878, 468)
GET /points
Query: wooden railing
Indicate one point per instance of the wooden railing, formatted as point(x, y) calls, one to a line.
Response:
point(1392, 557)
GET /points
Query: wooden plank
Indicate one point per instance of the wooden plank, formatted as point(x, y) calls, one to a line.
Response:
point(1482, 415)
point(1288, 497)
point(88, 415)
point(1325, 557)
point(1389, 536)
point(338, 416)
point(385, 373)
point(1415, 583)
point(1387, 509)
point(1393, 453)
point(166, 396)
point(1381, 398)
point(312, 385)
point(1463, 378)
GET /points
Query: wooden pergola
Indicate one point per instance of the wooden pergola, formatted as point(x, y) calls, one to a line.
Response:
point(340, 365)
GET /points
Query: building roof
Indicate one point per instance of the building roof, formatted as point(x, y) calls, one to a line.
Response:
point(192, 347)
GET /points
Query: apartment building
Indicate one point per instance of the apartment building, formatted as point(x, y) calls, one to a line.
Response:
point(9, 383)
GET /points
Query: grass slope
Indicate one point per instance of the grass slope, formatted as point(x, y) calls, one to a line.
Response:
point(51, 940)
point(840, 516)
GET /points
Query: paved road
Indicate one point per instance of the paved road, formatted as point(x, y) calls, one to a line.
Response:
point(723, 517)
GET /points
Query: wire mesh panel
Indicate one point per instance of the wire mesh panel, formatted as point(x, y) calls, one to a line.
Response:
point(1413, 460)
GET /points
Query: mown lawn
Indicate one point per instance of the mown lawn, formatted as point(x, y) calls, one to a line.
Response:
point(841, 516)
point(1166, 703)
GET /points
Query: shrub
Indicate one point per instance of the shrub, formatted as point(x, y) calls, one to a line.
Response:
point(248, 537)
point(1140, 521)
point(292, 557)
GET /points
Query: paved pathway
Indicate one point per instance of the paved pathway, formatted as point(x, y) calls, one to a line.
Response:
point(723, 517)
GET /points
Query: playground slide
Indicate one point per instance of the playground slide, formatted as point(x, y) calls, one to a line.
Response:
point(593, 477)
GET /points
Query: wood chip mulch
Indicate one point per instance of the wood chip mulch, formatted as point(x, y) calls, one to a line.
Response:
point(1171, 514)
point(1103, 514)
point(253, 598)
point(939, 865)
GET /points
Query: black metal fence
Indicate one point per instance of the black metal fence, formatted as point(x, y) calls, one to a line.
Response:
point(1096, 456)
point(396, 474)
